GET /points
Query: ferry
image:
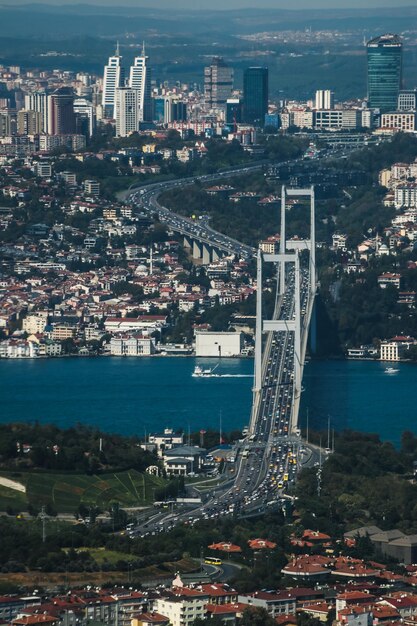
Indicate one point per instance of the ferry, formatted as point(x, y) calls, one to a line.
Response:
point(391, 370)
point(199, 372)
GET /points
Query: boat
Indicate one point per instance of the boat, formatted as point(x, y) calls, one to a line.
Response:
point(391, 370)
point(199, 372)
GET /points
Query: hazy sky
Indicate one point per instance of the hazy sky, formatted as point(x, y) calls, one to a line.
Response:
point(228, 4)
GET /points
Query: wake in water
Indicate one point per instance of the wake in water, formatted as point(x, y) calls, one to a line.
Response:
point(235, 375)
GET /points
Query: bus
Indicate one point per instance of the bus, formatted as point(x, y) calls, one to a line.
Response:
point(212, 560)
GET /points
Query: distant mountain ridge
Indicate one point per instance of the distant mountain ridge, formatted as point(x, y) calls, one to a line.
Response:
point(43, 20)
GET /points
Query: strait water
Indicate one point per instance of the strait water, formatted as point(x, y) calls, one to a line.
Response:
point(129, 395)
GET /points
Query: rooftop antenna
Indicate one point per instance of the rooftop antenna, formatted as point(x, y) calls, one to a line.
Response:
point(117, 49)
point(143, 48)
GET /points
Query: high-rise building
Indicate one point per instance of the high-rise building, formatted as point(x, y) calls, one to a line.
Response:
point(233, 111)
point(127, 111)
point(114, 77)
point(324, 100)
point(8, 123)
point(140, 79)
point(218, 83)
point(175, 110)
point(38, 102)
point(61, 116)
point(29, 122)
point(384, 72)
point(407, 100)
point(84, 110)
point(255, 95)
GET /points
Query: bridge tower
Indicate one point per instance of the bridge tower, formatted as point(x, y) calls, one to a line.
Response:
point(289, 253)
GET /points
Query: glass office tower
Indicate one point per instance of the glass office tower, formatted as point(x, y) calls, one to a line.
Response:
point(255, 95)
point(384, 72)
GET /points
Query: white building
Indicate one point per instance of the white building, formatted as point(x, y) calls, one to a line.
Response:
point(33, 324)
point(399, 120)
point(212, 344)
point(92, 187)
point(126, 324)
point(137, 345)
point(324, 99)
point(394, 349)
point(181, 610)
point(140, 79)
point(406, 195)
point(84, 108)
point(167, 439)
point(113, 79)
point(335, 119)
point(38, 102)
point(127, 111)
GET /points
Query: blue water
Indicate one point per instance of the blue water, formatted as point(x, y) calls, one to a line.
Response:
point(126, 395)
point(133, 395)
point(359, 395)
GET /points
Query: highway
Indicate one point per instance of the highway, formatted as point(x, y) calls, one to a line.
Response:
point(268, 459)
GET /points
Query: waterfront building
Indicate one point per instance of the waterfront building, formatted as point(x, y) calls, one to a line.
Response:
point(255, 95)
point(166, 440)
point(384, 72)
point(140, 80)
point(218, 83)
point(324, 99)
point(392, 350)
point(222, 344)
point(135, 345)
point(114, 77)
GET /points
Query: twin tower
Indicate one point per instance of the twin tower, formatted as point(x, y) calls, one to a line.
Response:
point(127, 99)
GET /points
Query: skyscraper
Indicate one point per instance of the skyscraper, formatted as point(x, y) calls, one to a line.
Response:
point(255, 95)
point(127, 111)
point(61, 116)
point(38, 102)
point(140, 79)
point(218, 83)
point(324, 100)
point(384, 72)
point(114, 77)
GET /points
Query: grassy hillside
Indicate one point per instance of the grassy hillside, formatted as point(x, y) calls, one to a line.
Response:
point(65, 492)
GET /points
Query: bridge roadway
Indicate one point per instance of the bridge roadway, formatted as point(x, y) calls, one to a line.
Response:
point(269, 458)
point(146, 199)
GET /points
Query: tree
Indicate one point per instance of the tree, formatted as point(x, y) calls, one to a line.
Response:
point(256, 617)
